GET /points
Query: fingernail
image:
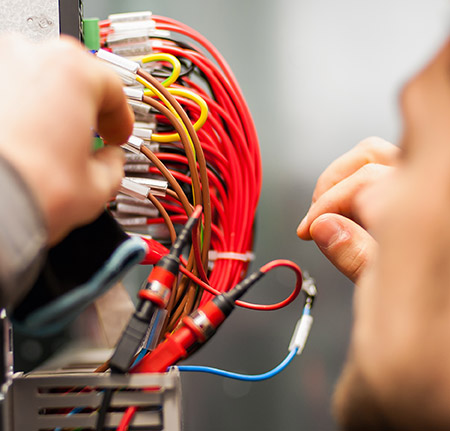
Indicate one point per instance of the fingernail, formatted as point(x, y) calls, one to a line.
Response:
point(327, 232)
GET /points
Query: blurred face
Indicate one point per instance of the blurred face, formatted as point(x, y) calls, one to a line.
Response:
point(398, 372)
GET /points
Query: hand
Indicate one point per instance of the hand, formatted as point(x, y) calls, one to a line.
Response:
point(53, 96)
point(331, 221)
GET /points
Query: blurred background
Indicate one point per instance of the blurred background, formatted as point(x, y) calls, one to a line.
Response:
point(319, 76)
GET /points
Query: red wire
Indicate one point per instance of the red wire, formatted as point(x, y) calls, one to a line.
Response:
point(126, 419)
point(266, 268)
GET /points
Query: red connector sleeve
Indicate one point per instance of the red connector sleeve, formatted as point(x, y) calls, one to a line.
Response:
point(167, 353)
point(154, 253)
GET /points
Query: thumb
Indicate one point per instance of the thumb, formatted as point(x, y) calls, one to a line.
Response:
point(346, 244)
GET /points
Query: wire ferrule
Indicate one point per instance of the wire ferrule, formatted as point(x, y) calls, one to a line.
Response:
point(133, 93)
point(129, 16)
point(139, 107)
point(136, 168)
point(134, 144)
point(145, 134)
point(130, 66)
point(141, 210)
point(157, 187)
point(134, 189)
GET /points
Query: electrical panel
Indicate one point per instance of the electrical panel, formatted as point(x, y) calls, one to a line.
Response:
point(44, 19)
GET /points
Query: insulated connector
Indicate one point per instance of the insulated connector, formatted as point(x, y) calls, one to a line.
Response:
point(145, 134)
point(130, 66)
point(139, 107)
point(140, 210)
point(302, 330)
point(134, 189)
point(133, 93)
point(157, 187)
point(134, 144)
point(130, 16)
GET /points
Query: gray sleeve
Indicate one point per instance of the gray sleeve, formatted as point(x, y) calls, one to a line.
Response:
point(22, 236)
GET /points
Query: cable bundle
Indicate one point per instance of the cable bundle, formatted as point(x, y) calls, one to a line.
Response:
point(194, 134)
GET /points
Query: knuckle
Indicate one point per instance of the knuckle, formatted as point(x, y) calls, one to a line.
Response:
point(371, 170)
point(356, 262)
point(376, 149)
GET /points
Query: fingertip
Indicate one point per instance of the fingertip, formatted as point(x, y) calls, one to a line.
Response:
point(345, 244)
point(326, 231)
point(303, 229)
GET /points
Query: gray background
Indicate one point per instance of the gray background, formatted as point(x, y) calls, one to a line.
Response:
point(319, 76)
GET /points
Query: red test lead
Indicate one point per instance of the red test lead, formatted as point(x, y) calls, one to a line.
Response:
point(154, 296)
point(196, 329)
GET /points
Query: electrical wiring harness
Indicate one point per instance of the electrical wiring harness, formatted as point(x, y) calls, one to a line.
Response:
point(192, 185)
point(194, 143)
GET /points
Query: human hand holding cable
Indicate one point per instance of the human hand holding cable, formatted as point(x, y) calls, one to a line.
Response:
point(332, 221)
point(53, 96)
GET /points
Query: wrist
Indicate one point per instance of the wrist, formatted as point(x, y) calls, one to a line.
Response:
point(23, 236)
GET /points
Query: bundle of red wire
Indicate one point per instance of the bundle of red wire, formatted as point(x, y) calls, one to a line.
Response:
point(216, 165)
point(230, 147)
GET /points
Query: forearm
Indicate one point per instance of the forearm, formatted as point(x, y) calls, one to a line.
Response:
point(23, 236)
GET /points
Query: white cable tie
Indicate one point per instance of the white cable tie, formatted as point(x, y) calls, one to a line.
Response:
point(131, 188)
point(116, 60)
point(133, 93)
point(130, 16)
point(214, 255)
point(301, 333)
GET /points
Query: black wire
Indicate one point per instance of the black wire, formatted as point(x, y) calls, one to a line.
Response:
point(106, 402)
point(165, 71)
point(178, 42)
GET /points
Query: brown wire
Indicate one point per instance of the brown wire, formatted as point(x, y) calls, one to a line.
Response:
point(200, 158)
point(165, 216)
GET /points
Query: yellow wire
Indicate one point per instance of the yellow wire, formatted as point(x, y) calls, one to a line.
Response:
point(188, 95)
point(176, 65)
point(175, 136)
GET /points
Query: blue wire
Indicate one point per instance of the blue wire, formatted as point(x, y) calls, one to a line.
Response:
point(150, 338)
point(249, 378)
point(74, 411)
